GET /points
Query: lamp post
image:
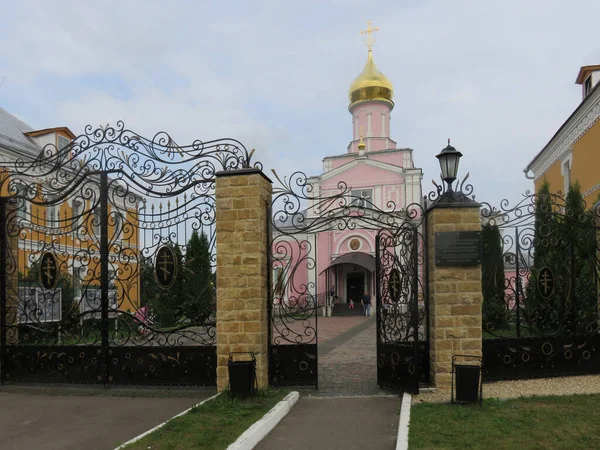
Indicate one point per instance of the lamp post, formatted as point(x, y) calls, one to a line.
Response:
point(449, 158)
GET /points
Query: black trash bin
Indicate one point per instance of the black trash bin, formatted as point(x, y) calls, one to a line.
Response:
point(242, 374)
point(467, 381)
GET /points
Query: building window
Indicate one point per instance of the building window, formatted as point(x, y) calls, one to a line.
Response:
point(361, 197)
point(62, 142)
point(22, 206)
point(96, 221)
point(587, 86)
point(76, 212)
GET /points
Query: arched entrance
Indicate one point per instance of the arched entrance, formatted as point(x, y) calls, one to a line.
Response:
point(349, 276)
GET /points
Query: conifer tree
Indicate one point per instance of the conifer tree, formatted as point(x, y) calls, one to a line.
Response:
point(580, 291)
point(198, 288)
point(495, 312)
point(540, 313)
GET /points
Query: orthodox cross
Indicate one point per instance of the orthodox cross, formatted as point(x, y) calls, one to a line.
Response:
point(49, 271)
point(546, 282)
point(164, 265)
point(369, 35)
point(395, 285)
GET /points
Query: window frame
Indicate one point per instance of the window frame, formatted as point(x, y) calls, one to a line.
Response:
point(60, 137)
point(359, 201)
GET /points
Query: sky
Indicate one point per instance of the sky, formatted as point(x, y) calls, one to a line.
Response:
point(498, 78)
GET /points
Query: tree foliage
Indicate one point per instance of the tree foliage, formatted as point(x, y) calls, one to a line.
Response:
point(540, 312)
point(565, 241)
point(189, 298)
point(198, 287)
point(495, 310)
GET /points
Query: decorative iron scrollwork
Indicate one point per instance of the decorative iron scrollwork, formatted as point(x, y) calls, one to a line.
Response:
point(540, 285)
point(299, 213)
point(112, 198)
point(443, 195)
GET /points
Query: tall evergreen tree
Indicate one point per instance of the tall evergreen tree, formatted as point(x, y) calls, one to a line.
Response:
point(580, 291)
point(495, 310)
point(198, 286)
point(541, 313)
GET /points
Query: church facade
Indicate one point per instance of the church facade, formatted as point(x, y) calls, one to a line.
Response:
point(376, 174)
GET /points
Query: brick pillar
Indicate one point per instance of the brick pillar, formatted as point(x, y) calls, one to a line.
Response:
point(454, 296)
point(243, 198)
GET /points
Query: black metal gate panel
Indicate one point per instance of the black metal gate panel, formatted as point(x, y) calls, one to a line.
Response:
point(107, 247)
point(540, 284)
point(402, 349)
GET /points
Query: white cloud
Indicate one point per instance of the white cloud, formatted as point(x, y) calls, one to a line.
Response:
point(495, 77)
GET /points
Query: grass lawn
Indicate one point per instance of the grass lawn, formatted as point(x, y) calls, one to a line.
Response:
point(214, 425)
point(570, 422)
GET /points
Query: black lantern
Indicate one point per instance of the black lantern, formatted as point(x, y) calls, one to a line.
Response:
point(449, 158)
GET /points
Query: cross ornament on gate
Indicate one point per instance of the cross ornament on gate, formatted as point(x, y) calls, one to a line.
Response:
point(395, 284)
point(49, 271)
point(545, 282)
point(164, 266)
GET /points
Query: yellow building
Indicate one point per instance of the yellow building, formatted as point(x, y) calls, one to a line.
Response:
point(69, 229)
point(573, 153)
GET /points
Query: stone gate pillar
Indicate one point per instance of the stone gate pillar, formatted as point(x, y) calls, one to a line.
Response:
point(243, 199)
point(454, 284)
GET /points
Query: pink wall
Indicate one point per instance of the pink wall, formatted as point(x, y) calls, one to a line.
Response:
point(397, 159)
point(374, 118)
point(510, 281)
point(380, 120)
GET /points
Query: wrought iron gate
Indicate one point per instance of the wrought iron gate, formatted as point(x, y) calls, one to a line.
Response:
point(402, 348)
point(107, 249)
point(299, 289)
point(541, 278)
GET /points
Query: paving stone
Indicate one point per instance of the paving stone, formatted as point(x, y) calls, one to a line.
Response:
point(349, 368)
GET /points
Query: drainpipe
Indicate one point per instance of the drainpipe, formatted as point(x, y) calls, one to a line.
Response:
point(526, 172)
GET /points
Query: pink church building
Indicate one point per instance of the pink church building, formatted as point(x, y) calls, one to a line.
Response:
point(376, 174)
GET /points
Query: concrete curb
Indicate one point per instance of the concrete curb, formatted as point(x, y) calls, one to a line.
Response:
point(260, 429)
point(152, 430)
point(402, 439)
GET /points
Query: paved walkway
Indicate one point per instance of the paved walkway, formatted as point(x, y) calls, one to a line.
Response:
point(332, 327)
point(348, 361)
point(74, 422)
point(361, 423)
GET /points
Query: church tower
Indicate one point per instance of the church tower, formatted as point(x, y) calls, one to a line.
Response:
point(370, 96)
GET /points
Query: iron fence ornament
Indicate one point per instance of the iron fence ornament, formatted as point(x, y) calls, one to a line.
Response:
point(165, 269)
point(540, 306)
point(545, 282)
point(128, 198)
point(48, 271)
point(395, 285)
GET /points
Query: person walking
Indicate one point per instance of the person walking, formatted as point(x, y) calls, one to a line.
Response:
point(366, 302)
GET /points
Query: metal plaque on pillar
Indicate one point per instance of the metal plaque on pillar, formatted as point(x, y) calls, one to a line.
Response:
point(458, 248)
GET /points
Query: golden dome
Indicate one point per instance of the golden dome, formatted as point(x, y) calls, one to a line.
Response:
point(371, 84)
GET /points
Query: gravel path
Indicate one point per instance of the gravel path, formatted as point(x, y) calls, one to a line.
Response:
point(589, 384)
